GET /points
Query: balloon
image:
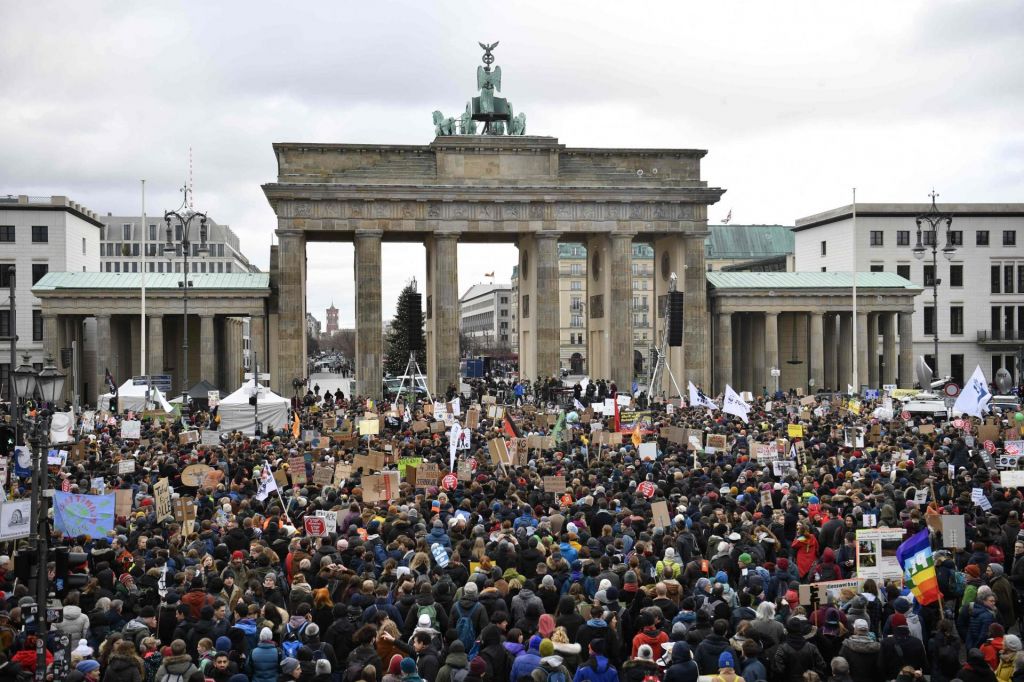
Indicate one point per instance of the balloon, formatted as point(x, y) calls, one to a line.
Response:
point(1019, 417)
point(572, 417)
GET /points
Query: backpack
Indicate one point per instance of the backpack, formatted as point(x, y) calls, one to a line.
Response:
point(464, 626)
point(959, 583)
point(429, 610)
point(459, 674)
point(559, 676)
point(827, 572)
point(291, 643)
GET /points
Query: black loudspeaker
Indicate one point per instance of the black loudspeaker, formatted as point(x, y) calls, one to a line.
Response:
point(414, 321)
point(675, 319)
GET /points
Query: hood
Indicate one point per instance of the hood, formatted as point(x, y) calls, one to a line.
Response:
point(569, 648)
point(828, 556)
point(514, 648)
point(135, 625)
point(177, 664)
point(601, 663)
point(72, 612)
point(976, 659)
point(681, 652)
point(457, 659)
point(551, 662)
point(862, 644)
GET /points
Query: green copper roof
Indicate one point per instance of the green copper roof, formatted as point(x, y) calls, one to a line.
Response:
point(748, 241)
point(807, 280)
point(53, 281)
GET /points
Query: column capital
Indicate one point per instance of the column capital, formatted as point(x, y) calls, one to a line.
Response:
point(446, 235)
point(369, 234)
point(622, 235)
point(99, 316)
point(547, 235)
point(289, 233)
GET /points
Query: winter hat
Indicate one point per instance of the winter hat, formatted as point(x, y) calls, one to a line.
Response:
point(745, 558)
point(597, 646)
point(860, 625)
point(1011, 643)
point(604, 585)
point(645, 653)
point(898, 619)
point(547, 647)
point(470, 590)
point(783, 563)
point(973, 571)
point(725, 660)
point(87, 666)
point(266, 635)
point(901, 604)
point(83, 649)
point(996, 630)
point(223, 643)
point(323, 667)
point(408, 666)
point(289, 665)
point(721, 577)
point(547, 581)
point(424, 621)
point(535, 642)
point(478, 667)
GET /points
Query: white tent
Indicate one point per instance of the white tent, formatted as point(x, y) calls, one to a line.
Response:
point(132, 397)
point(236, 414)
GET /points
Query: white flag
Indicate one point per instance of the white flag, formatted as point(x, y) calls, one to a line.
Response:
point(734, 405)
point(456, 407)
point(698, 399)
point(268, 484)
point(974, 398)
point(453, 444)
point(578, 405)
point(849, 389)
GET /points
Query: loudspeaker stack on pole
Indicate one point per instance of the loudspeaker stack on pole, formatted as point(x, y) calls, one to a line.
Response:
point(675, 319)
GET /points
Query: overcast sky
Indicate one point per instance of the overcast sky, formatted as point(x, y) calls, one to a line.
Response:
point(796, 102)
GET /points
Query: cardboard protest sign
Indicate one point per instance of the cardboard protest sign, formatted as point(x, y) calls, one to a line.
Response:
point(184, 509)
point(193, 475)
point(465, 471)
point(659, 511)
point(213, 478)
point(330, 423)
point(297, 470)
point(210, 438)
point(281, 478)
point(498, 450)
point(472, 418)
point(694, 439)
point(437, 427)
point(131, 429)
point(369, 427)
point(716, 443)
point(380, 487)
point(368, 463)
point(554, 484)
point(323, 475)
point(674, 434)
point(427, 474)
point(988, 432)
point(419, 426)
point(404, 462)
point(954, 531)
point(123, 502)
point(342, 472)
point(330, 517)
point(648, 452)
point(126, 466)
point(188, 437)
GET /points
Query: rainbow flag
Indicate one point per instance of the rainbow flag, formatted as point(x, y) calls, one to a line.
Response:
point(915, 557)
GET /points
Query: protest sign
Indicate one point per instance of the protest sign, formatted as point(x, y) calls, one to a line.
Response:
point(659, 512)
point(126, 466)
point(188, 437)
point(209, 437)
point(297, 470)
point(465, 471)
point(648, 452)
point(162, 498)
point(716, 442)
point(131, 429)
point(795, 431)
point(193, 475)
point(342, 472)
point(427, 474)
point(323, 475)
point(876, 553)
point(16, 519)
point(554, 484)
point(380, 487)
point(123, 502)
point(369, 427)
point(75, 514)
point(330, 517)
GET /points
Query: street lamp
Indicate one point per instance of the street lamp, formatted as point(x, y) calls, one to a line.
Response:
point(934, 219)
point(49, 381)
point(185, 215)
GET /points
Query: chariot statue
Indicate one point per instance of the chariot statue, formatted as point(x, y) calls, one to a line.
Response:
point(495, 113)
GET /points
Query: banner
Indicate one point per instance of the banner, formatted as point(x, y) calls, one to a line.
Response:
point(75, 514)
point(162, 498)
point(629, 419)
point(15, 519)
point(974, 397)
point(735, 405)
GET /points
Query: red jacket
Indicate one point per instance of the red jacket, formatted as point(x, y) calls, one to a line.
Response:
point(806, 553)
point(196, 600)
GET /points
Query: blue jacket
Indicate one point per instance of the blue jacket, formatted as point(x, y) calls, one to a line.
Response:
point(977, 629)
point(438, 535)
point(525, 664)
point(265, 662)
point(597, 669)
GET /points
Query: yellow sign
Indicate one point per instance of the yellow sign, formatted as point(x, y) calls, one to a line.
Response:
point(795, 431)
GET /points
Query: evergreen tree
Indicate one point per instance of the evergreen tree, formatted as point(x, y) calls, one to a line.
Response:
point(396, 341)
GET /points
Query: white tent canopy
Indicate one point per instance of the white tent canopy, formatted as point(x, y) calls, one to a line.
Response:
point(132, 397)
point(236, 414)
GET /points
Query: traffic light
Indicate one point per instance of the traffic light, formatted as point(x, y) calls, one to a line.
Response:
point(68, 573)
point(7, 440)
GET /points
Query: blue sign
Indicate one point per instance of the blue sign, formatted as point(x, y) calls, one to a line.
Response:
point(75, 514)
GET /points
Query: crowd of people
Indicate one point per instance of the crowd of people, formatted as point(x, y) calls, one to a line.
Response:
point(497, 579)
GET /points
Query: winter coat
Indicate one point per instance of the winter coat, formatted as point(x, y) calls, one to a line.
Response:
point(683, 668)
point(793, 658)
point(571, 654)
point(707, 653)
point(754, 670)
point(75, 623)
point(520, 602)
point(976, 669)
point(180, 667)
point(525, 664)
point(861, 652)
point(124, 669)
point(635, 670)
point(943, 657)
point(550, 665)
point(977, 629)
point(265, 662)
point(899, 650)
point(806, 553)
point(597, 669)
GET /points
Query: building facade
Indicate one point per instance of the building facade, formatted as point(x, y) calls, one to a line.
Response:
point(124, 242)
point(40, 235)
point(980, 314)
point(485, 317)
point(312, 326)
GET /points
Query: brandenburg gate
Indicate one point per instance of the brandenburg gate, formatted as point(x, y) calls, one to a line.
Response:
point(493, 184)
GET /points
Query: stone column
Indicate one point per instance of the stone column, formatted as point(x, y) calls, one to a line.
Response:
point(845, 352)
point(906, 377)
point(758, 371)
point(369, 329)
point(102, 356)
point(545, 306)
point(620, 254)
point(771, 348)
point(135, 332)
point(829, 321)
point(443, 289)
point(155, 345)
point(873, 351)
point(291, 301)
point(723, 340)
point(669, 258)
point(888, 322)
point(51, 338)
point(862, 350)
point(695, 312)
point(816, 369)
point(207, 349)
point(258, 343)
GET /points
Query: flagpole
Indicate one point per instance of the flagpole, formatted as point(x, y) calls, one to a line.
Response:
point(855, 383)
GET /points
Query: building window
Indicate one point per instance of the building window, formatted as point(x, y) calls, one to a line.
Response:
point(117, 266)
point(956, 368)
point(929, 320)
point(5, 322)
point(956, 275)
point(5, 276)
point(981, 238)
point(875, 267)
point(995, 279)
point(38, 271)
point(903, 271)
point(83, 246)
point(40, 234)
point(823, 267)
point(220, 267)
point(929, 275)
point(1009, 237)
point(229, 267)
point(152, 232)
point(824, 250)
point(6, 233)
point(177, 233)
point(126, 232)
point(902, 237)
point(956, 320)
point(37, 325)
point(1008, 279)
point(877, 238)
point(956, 237)
point(928, 238)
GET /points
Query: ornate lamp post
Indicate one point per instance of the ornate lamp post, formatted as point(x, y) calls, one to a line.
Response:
point(933, 218)
point(185, 216)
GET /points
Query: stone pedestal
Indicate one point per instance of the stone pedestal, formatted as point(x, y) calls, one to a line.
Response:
point(102, 355)
point(620, 250)
point(369, 329)
point(538, 307)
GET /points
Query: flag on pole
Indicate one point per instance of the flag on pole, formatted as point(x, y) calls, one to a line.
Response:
point(110, 380)
point(578, 405)
point(509, 428)
point(698, 399)
point(559, 426)
point(296, 427)
point(268, 484)
point(915, 557)
point(637, 438)
point(728, 218)
point(974, 397)
point(735, 405)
